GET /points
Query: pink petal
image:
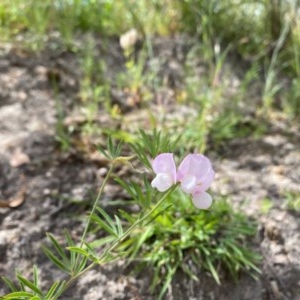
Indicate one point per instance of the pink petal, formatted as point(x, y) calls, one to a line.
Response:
point(194, 164)
point(202, 200)
point(164, 163)
point(206, 182)
point(208, 179)
point(162, 182)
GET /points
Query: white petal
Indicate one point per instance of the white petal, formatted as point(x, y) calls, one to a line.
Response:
point(164, 163)
point(162, 182)
point(202, 200)
point(188, 183)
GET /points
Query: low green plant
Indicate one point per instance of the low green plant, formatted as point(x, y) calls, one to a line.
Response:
point(94, 87)
point(167, 233)
point(188, 240)
point(272, 86)
point(135, 81)
point(292, 95)
point(27, 20)
point(242, 23)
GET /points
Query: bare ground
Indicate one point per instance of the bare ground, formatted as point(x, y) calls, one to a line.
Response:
point(57, 187)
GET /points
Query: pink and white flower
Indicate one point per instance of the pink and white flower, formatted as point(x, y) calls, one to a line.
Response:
point(165, 169)
point(195, 173)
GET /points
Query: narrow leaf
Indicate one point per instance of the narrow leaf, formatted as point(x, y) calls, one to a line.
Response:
point(213, 271)
point(55, 260)
point(35, 275)
point(127, 216)
point(52, 290)
point(109, 225)
point(119, 226)
point(58, 248)
point(106, 217)
point(22, 286)
point(104, 225)
point(18, 295)
point(59, 290)
point(110, 146)
point(30, 285)
point(79, 250)
point(9, 283)
point(152, 218)
point(104, 152)
point(82, 264)
point(102, 241)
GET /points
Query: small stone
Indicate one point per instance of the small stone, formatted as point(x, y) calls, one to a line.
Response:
point(129, 39)
point(19, 158)
point(46, 192)
point(280, 259)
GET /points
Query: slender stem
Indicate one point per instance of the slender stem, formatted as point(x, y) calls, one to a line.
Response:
point(120, 239)
point(74, 277)
point(96, 204)
point(135, 225)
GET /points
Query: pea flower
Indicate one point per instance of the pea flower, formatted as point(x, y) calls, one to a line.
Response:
point(195, 175)
point(165, 169)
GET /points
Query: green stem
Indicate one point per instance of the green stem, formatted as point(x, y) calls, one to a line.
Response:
point(96, 204)
point(74, 277)
point(120, 239)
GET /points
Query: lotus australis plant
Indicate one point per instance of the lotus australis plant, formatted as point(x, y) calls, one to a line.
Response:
point(195, 174)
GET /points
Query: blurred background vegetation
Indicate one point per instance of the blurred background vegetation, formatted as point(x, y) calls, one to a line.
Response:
point(259, 39)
